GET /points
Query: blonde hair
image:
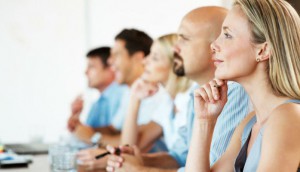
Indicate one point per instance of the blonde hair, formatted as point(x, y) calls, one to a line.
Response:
point(175, 84)
point(277, 23)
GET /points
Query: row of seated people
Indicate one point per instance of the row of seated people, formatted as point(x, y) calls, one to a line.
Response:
point(221, 94)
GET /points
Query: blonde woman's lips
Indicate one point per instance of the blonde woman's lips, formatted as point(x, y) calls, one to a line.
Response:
point(217, 61)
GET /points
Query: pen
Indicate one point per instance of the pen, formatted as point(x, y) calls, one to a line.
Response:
point(118, 152)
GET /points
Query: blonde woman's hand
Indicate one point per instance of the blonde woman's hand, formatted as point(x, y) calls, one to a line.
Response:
point(141, 89)
point(210, 99)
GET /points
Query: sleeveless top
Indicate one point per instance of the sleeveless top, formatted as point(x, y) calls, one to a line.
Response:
point(244, 163)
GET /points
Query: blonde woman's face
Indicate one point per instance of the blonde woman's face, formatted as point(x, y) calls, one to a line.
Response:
point(234, 55)
point(157, 65)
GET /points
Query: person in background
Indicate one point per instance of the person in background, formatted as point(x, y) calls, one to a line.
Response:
point(258, 48)
point(127, 61)
point(101, 77)
point(169, 115)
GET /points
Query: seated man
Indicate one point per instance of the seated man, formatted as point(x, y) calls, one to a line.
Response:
point(101, 77)
point(194, 60)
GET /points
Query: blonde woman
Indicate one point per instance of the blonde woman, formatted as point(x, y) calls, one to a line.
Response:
point(167, 118)
point(258, 48)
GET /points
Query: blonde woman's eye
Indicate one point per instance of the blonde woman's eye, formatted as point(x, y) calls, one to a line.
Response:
point(228, 36)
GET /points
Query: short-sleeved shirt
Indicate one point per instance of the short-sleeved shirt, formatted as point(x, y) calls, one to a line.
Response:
point(104, 109)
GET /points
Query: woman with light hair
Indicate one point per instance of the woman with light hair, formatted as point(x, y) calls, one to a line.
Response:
point(258, 48)
point(168, 117)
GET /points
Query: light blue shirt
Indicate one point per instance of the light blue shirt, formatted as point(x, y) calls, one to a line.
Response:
point(104, 109)
point(234, 111)
point(170, 119)
point(146, 110)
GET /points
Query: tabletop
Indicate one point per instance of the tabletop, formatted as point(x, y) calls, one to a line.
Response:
point(41, 164)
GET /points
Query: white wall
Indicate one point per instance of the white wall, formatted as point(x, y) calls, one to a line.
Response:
point(42, 49)
point(156, 17)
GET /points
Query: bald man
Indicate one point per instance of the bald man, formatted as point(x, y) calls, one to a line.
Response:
point(198, 29)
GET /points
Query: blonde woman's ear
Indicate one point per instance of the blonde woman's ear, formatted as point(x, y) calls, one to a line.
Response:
point(263, 52)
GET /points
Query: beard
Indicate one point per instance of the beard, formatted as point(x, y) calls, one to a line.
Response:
point(178, 67)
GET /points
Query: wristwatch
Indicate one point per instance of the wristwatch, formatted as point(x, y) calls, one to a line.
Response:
point(96, 138)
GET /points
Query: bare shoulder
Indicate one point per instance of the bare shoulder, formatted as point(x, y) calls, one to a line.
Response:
point(280, 144)
point(284, 122)
point(286, 114)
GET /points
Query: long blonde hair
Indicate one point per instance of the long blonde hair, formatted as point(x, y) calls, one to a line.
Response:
point(277, 23)
point(175, 84)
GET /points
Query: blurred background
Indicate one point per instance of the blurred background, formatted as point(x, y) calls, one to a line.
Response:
point(43, 44)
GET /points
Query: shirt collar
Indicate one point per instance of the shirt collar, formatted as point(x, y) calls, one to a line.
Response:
point(110, 89)
point(193, 88)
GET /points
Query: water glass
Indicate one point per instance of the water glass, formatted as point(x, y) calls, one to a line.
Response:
point(62, 158)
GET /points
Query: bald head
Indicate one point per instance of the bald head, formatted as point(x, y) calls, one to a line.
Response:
point(198, 29)
point(207, 20)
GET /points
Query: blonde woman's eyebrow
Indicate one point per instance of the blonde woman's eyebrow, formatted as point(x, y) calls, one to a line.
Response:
point(226, 28)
